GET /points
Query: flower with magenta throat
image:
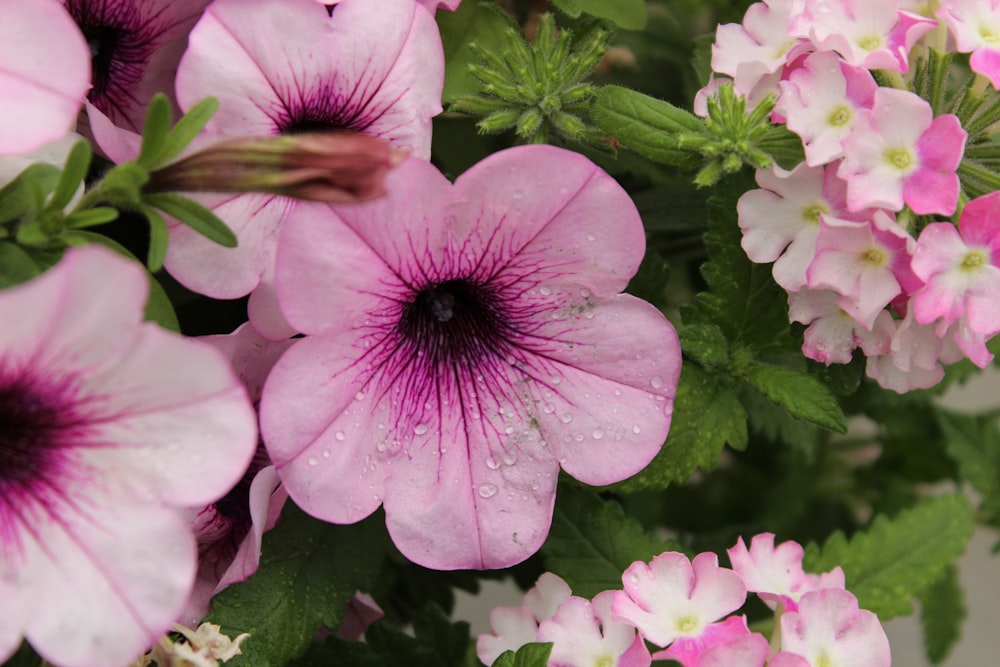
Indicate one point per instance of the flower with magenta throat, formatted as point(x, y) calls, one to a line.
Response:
point(464, 342)
point(108, 427)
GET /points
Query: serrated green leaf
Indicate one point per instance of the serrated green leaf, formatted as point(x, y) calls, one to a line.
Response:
point(628, 14)
point(529, 655)
point(27, 191)
point(482, 23)
point(186, 129)
point(802, 395)
point(707, 416)
point(974, 443)
point(194, 215)
point(742, 298)
point(16, 265)
point(896, 559)
point(75, 170)
point(705, 343)
point(154, 131)
point(942, 610)
point(592, 541)
point(308, 572)
point(645, 125)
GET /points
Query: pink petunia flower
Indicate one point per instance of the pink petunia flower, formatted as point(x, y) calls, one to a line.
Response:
point(775, 573)
point(961, 269)
point(583, 633)
point(463, 343)
point(44, 74)
point(109, 426)
point(376, 72)
point(899, 153)
point(975, 25)
point(678, 603)
point(513, 627)
point(135, 46)
point(830, 629)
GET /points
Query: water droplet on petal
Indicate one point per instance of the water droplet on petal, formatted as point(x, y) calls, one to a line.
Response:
point(313, 460)
point(591, 237)
point(657, 382)
point(326, 453)
point(339, 435)
point(509, 430)
point(510, 458)
point(545, 291)
point(566, 418)
point(487, 490)
point(636, 429)
point(420, 429)
point(381, 446)
point(492, 463)
point(598, 434)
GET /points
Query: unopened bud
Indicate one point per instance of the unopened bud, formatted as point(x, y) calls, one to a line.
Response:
point(331, 167)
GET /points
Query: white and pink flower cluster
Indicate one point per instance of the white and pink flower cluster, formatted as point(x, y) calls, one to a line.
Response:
point(840, 226)
point(686, 609)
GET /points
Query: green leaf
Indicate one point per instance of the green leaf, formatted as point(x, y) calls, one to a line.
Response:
point(942, 610)
point(158, 239)
point(707, 416)
point(974, 443)
point(628, 14)
point(896, 559)
point(802, 395)
point(705, 343)
point(16, 265)
point(645, 125)
point(91, 217)
point(742, 298)
point(77, 164)
point(308, 572)
point(651, 278)
point(479, 22)
point(529, 655)
point(186, 129)
point(27, 191)
point(154, 131)
point(194, 215)
point(159, 308)
point(592, 541)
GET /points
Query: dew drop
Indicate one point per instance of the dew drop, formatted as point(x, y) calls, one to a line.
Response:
point(534, 487)
point(657, 382)
point(636, 429)
point(556, 379)
point(524, 496)
point(518, 194)
point(545, 291)
point(510, 458)
point(634, 578)
point(543, 443)
point(618, 392)
point(588, 315)
point(420, 429)
point(381, 426)
point(313, 460)
point(598, 433)
point(487, 490)
point(578, 437)
point(360, 396)
point(549, 408)
point(509, 430)
point(591, 237)
point(339, 435)
point(492, 463)
point(326, 453)
point(510, 360)
point(380, 446)
point(566, 418)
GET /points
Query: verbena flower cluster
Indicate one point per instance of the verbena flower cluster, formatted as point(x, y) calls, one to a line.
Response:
point(686, 608)
point(849, 230)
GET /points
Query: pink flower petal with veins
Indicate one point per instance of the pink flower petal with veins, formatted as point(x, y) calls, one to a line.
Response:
point(44, 73)
point(463, 343)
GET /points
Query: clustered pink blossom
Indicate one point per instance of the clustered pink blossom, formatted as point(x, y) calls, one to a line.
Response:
point(686, 608)
point(839, 228)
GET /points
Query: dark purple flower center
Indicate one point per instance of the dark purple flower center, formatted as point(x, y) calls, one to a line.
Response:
point(455, 322)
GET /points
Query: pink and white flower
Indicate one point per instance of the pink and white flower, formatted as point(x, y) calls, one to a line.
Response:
point(677, 603)
point(833, 333)
point(44, 74)
point(961, 269)
point(584, 633)
point(749, 650)
point(899, 153)
point(463, 343)
point(513, 627)
point(110, 426)
point(375, 72)
point(975, 25)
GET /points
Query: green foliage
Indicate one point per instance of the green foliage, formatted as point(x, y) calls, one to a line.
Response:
point(974, 443)
point(651, 278)
point(194, 215)
point(481, 23)
point(529, 655)
point(308, 572)
point(896, 559)
point(16, 265)
point(802, 395)
point(942, 610)
point(644, 124)
point(628, 14)
point(161, 143)
point(592, 542)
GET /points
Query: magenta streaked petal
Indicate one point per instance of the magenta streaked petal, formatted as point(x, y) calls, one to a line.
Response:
point(44, 73)
point(104, 582)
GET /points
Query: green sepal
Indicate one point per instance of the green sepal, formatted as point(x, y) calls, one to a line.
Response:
point(529, 655)
point(27, 191)
point(122, 186)
point(194, 215)
point(75, 170)
point(154, 131)
point(16, 265)
point(158, 238)
point(91, 217)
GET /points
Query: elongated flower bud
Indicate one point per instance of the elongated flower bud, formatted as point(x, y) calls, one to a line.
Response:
point(331, 167)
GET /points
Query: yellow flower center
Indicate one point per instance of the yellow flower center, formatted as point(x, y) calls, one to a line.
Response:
point(900, 158)
point(870, 43)
point(687, 625)
point(874, 256)
point(811, 213)
point(840, 116)
point(604, 661)
point(974, 259)
point(989, 35)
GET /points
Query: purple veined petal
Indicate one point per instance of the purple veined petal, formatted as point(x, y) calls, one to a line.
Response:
point(44, 73)
point(102, 596)
point(356, 70)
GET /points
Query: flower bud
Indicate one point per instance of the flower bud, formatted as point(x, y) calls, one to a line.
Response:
point(331, 167)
